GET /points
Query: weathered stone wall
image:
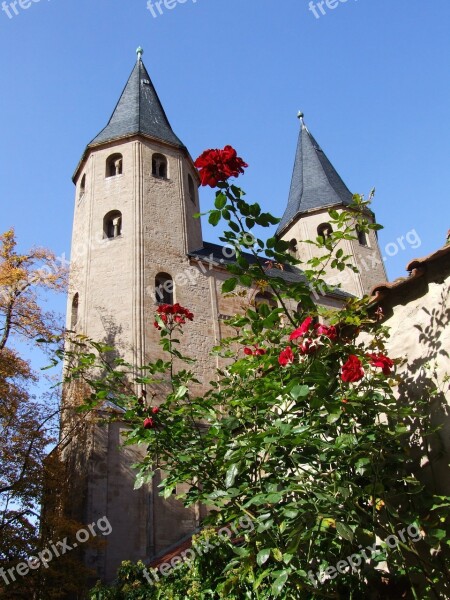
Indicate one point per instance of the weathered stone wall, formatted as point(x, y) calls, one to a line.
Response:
point(418, 314)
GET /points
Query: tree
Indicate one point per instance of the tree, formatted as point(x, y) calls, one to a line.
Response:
point(27, 423)
point(301, 433)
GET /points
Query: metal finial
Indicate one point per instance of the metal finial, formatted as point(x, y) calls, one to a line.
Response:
point(300, 115)
point(139, 53)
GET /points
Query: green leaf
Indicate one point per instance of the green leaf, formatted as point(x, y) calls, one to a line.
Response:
point(333, 417)
point(263, 556)
point(229, 285)
point(299, 391)
point(214, 217)
point(279, 583)
point(220, 201)
point(231, 475)
point(181, 392)
point(344, 531)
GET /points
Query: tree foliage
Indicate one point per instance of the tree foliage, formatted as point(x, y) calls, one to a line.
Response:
point(27, 424)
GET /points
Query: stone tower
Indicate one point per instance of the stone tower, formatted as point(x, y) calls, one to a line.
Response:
point(133, 229)
point(316, 188)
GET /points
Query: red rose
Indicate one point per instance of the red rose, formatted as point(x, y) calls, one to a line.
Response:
point(286, 357)
point(382, 361)
point(155, 410)
point(256, 352)
point(352, 370)
point(219, 165)
point(300, 331)
point(329, 332)
point(149, 423)
point(308, 347)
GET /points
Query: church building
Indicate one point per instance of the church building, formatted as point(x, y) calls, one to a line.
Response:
point(135, 244)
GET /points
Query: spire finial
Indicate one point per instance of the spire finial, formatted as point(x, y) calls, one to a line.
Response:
point(301, 115)
point(139, 53)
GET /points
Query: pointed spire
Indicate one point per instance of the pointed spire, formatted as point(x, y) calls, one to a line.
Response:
point(315, 182)
point(139, 110)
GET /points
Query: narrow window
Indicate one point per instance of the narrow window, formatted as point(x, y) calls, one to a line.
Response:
point(114, 165)
point(191, 188)
point(82, 186)
point(362, 237)
point(159, 166)
point(163, 289)
point(324, 230)
point(293, 247)
point(74, 313)
point(112, 225)
point(265, 298)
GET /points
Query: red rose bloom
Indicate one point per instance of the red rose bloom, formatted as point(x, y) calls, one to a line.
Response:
point(217, 166)
point(308, 347)
point(172, 315)
point(256, 352)
point(286, 357)
point(382, 361)
point(149, 423)
point(155, 410)
point(300, 331)
point(329, 332)
point(352, 370)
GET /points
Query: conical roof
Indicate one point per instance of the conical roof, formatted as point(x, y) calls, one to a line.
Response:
point(315, 182)
point(139, 111)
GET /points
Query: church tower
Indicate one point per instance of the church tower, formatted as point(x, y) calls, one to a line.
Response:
point(136, 194)
point(316, 188)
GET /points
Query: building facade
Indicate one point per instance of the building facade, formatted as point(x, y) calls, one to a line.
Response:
point(135, 243)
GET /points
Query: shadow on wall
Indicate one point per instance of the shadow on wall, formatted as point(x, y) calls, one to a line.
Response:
point(426, 387)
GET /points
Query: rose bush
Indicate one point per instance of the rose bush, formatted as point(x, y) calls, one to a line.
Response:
point(301, 432)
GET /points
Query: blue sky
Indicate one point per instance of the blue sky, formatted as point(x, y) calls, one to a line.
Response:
point(372, 77)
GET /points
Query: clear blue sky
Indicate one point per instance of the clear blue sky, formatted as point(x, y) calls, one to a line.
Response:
point(372, 77)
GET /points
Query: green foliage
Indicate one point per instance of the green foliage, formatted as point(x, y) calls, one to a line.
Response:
point(321, 466)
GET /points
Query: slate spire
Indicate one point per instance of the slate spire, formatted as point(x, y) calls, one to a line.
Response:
point(139, 110)
point(315, 182)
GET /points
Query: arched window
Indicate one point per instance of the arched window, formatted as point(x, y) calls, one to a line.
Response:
point(265, 298)
point(74, 312)
point(114, 165)
point(293, 247)
point(362, 237)
point(112, 225)
point(324, 230)
point(159, 166)
point(163, 289)
point(82, 186)
point(191, 188)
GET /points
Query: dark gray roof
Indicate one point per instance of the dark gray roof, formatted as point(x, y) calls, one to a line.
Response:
point(315, 182)
point(216, 255)
point(139, 110)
